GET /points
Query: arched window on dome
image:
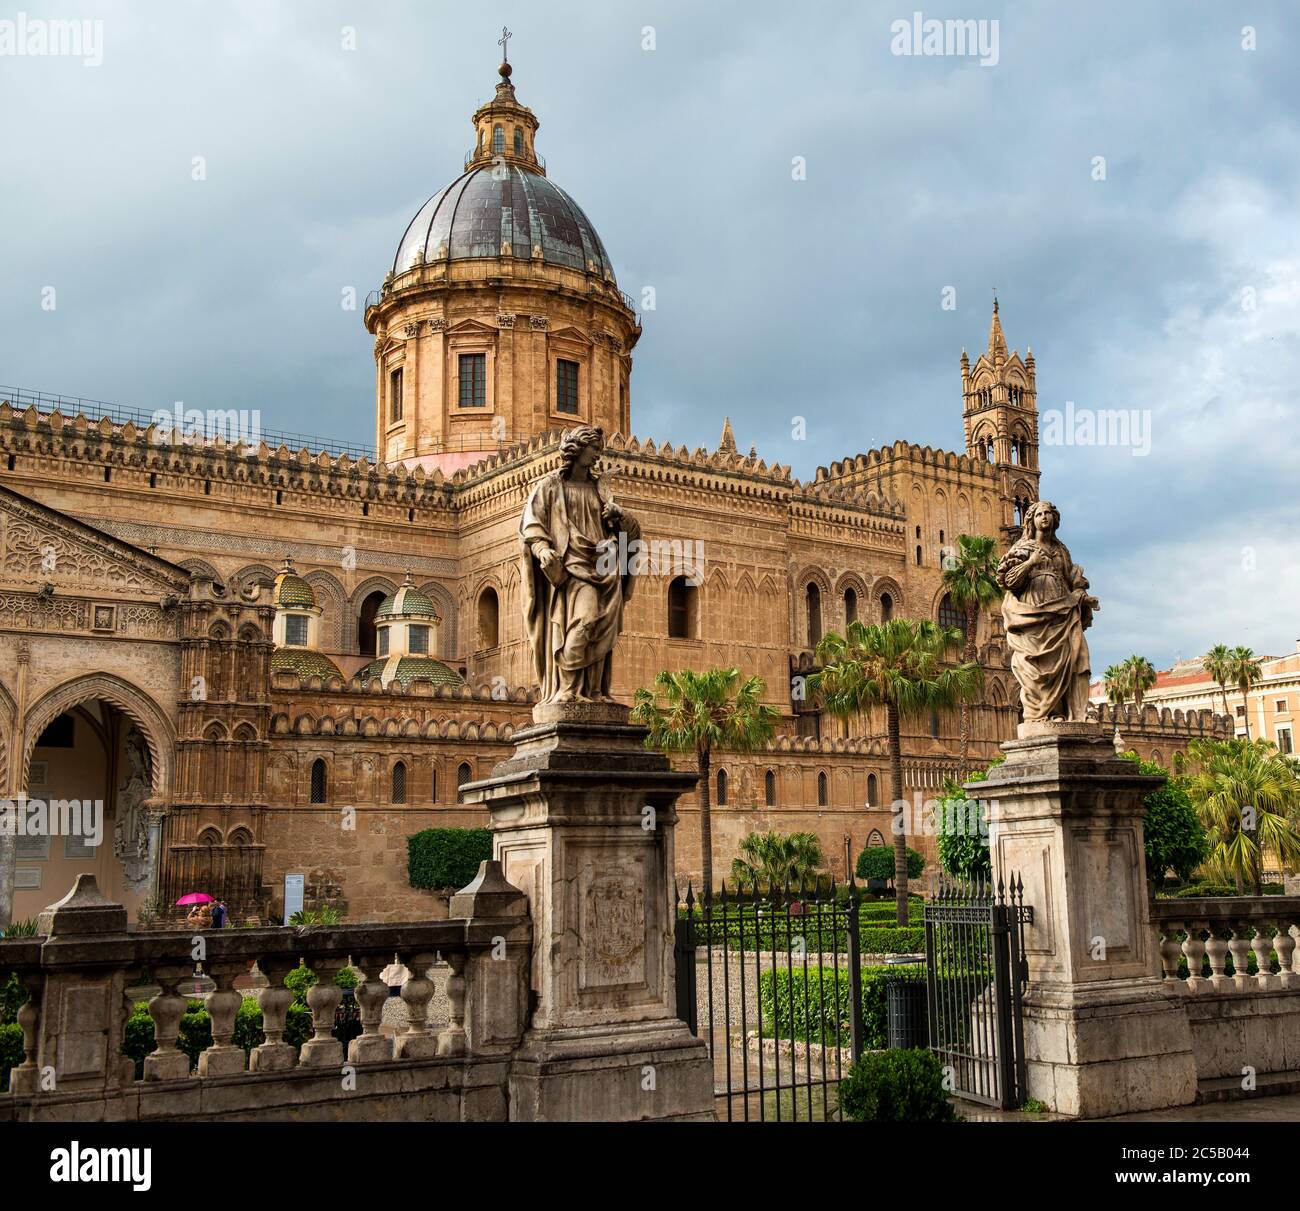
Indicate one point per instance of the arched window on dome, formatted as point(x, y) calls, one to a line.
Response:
point(498, 139)
point(398, 783)
point(417, 640)
point(319, 781)
point(489, 619)
point(366, 623)
point(519, 142)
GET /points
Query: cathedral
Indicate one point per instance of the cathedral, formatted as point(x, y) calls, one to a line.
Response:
point(274, 665)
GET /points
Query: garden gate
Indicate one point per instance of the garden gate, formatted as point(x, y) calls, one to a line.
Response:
point(976, 975)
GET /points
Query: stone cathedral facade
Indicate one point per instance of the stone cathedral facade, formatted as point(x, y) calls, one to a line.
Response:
point(270, 662)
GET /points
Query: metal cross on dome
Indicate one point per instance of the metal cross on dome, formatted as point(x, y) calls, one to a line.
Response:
point(506, 35)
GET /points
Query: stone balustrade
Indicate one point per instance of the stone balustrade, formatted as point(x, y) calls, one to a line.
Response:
point(1229, 929)
point(78, 970)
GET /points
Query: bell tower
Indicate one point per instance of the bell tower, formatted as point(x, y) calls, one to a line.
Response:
point(1000, 415)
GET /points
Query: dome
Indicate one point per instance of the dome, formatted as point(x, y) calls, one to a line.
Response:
point(510, 213)
point(407, 602)
point(305, 662)
point(291, 590)
point(406, 669)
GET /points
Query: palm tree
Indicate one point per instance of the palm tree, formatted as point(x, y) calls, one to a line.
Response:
point(775, 859)
point(1217, 662)
point(898, 665)
point(1246, 796)
point(1244, 672)
point(1116, 682)
point(701, 712)
point(1140, 676)
point(972, 586)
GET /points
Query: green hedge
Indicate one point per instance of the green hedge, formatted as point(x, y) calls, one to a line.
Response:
point(814, 1006)
point(877, 933)
point(446, 857)
point(899, 1086)
point(11, 1050)
point(877, 862)
point(895, 940)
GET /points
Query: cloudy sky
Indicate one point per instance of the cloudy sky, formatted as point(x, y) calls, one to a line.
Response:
point(1125, 174)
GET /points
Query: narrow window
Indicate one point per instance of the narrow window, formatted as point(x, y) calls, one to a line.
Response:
point(498, 139)
point(886, 607)
point(366, 623)
point(489, 620)
point(722, 788)
point(473, 380)
point(319, 785)
point(769, 789)
point(681, 609)
point(463, 775)
point(873, 789)
point(433, 785)
point(519, 142)
point(813, 602)
point(399, 782)
point(295, 631)
point(566, 386)
point(950, 615)
point(918, 557)
point(850, 606)
point(394, 396)
point(419, 641)
point(821, 790)
point(381, 642)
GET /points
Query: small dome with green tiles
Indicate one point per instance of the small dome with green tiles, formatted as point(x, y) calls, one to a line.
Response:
point(407, 602)
point(291, 590)
point(304, 662)
point(406, 669)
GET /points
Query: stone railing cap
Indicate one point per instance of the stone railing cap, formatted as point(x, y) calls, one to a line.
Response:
point(84, 910)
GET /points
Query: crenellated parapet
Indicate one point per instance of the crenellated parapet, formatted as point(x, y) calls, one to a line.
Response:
point(1155, 721)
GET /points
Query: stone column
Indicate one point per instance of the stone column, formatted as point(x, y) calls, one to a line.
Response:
point(583, 817)
point(1103, 1032)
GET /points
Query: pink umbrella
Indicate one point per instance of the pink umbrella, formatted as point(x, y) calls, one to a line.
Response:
point(195, 897)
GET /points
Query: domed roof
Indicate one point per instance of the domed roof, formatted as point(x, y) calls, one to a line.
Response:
point(291, 590)
point(407, 601)
point(510, 213)
point(305, 662)
point(406, 669)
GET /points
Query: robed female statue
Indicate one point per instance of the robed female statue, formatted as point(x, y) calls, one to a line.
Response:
point(1046, 611)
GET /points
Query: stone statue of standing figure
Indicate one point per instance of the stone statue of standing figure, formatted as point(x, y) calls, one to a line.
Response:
point(573, 586)
point(1046, 611)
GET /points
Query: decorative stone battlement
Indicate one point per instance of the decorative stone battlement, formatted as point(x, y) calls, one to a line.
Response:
point(1151, 721)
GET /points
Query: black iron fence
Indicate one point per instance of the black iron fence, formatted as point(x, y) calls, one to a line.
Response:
point(976, 976)
point(779, 985)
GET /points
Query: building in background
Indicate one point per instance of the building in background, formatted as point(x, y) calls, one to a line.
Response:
point(246, 717)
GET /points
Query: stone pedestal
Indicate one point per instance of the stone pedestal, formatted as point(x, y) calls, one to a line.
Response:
point(583, 816)
point(1103, 1035)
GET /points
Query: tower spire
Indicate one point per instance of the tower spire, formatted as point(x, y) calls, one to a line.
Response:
point(997, 342)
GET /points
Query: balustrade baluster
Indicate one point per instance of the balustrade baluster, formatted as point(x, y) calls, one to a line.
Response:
point(274, 1055)
point(1240, 949)
point(417, 1042)
point(371, 1047)
point(223, 1058)
point(1288, 955)
point(1262, 945)
point(1194, 950)
point(167, 1062)
point(323, 1050)
point(26, 1077)
point(1171, 950)
point(451, 1041)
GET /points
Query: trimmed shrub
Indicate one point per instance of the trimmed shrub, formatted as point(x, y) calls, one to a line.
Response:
point(894, 940)
point(813, 1007)
point(11, 1050)
point(877, 862)
point(446, 857)
point(1175, 837)
point(899, 1086)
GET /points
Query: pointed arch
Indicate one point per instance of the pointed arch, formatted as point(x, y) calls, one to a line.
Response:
point(153, 722)
point(332, 597)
